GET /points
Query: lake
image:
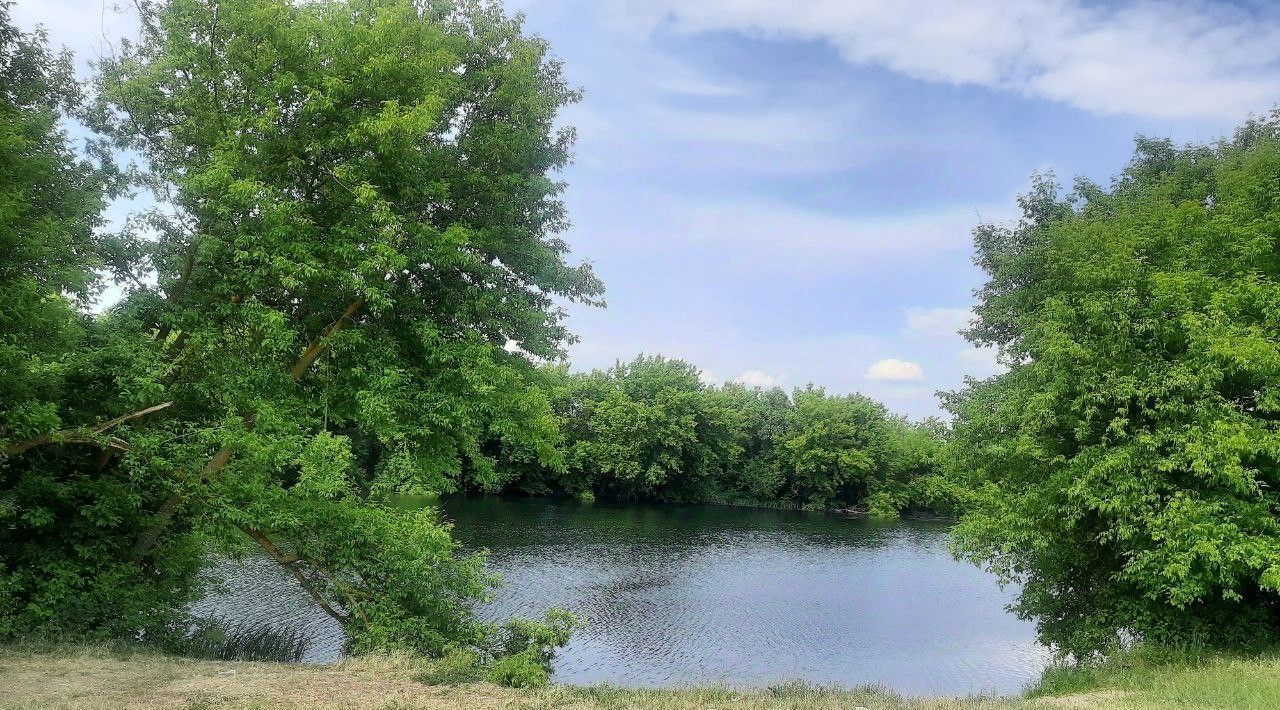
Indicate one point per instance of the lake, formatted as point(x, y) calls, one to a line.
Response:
point(677, 595)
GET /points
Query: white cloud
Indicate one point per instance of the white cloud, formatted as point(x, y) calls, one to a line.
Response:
point(895, 370)
point(757, 378)
point(645, 133)
point(1175, 59)
point(674, 83)
point(767, 239)
point(772, 130)
point(937, 322)
point(675, 77)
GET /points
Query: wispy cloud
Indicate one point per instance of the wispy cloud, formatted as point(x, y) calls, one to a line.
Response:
point(745, 139)
point(1165, 59)
point(980, 362)
point(798, 233)
point(937, 322)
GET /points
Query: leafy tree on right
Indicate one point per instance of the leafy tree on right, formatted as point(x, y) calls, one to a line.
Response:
point(1126, 465)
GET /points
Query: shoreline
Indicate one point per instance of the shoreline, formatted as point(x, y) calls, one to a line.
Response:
point(99, 677)
point(852, 512)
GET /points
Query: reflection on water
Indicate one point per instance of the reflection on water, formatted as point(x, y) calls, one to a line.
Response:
point(677, 595)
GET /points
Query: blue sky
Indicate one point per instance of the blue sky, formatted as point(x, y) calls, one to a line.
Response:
point(782, 193)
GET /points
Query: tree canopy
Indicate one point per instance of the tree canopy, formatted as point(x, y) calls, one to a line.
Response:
point(651, 429)
point(1127, 461)
point(51, 200)
point(357, 213)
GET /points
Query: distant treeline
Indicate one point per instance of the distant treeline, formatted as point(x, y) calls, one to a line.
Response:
point(651, 429)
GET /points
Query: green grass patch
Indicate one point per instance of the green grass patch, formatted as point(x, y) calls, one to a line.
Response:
point(1174, 677)
point(457, 667)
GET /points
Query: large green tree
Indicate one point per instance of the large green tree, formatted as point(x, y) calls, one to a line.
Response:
point(833, 445)
point(357, 216)
point(50, 205)
point(1129, 459)
point(759, 473)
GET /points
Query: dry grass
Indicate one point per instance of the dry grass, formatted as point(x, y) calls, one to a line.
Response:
point(94, 678)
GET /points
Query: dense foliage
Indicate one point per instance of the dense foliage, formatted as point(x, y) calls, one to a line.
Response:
point(57, 571)
point(1130, 458)
point(355, 216)
point(650, 429)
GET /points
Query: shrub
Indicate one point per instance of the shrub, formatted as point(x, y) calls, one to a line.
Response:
point(518, 655)
point(522, 670)
point(538, 640)
point(881, 505)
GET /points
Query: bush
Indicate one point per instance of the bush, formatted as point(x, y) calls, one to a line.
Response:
point(518, 655)
point(528, 647)
point(538, 640)
point(881, 505)
point(938, 492)
point(523, 670)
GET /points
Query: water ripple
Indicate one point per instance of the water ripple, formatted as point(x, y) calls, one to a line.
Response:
point(678, 595)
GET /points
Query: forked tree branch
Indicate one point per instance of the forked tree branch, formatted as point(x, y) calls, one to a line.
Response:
point(84, 435)
point(290, 563)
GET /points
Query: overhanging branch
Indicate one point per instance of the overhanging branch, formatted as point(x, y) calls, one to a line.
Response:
point(290, 563)
point(84, 435)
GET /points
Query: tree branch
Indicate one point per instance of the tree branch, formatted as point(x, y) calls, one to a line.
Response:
point(147, 538)
point(317, 347)
point(289, 562)
point(84, 435)
point(222, 457)
point(188, 266)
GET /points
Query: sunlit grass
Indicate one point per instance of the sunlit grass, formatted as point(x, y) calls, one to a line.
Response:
point(1191, 678)
point(114, 676)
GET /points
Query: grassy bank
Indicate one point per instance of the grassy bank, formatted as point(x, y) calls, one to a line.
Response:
point(115, 678)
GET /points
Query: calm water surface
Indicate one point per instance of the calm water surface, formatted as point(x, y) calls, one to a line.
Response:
point(678, 595)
